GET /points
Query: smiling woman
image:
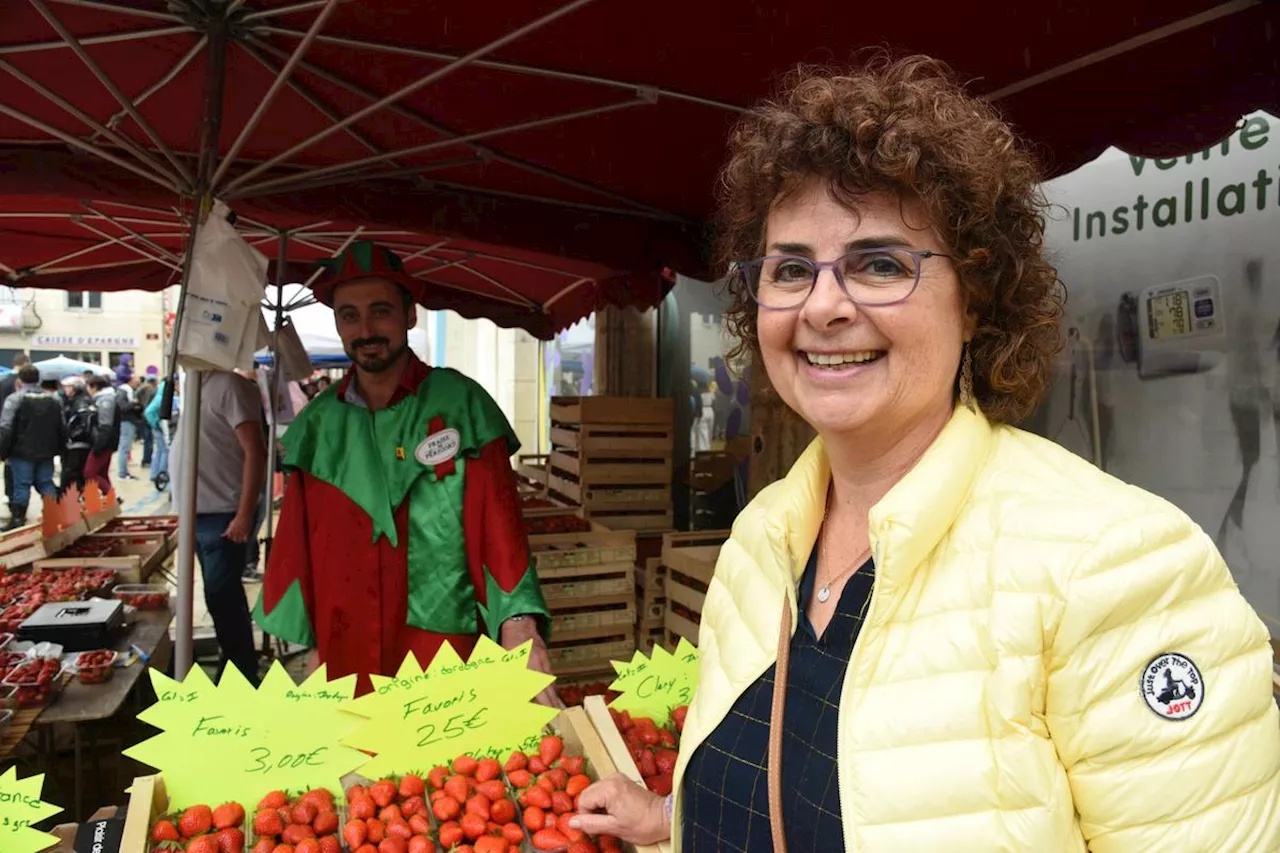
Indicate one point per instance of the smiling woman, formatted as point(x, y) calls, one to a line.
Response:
point(939, 632)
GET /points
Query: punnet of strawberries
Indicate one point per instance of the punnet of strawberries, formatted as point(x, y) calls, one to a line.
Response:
point(653, 748)
point(35, 680)
point(96, 667)
point(307, 824)
point(200, 829)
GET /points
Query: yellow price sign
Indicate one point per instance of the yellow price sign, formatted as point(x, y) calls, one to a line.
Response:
point(421, 718)
point(654, 686)
point(232, 742)
point(20, 809)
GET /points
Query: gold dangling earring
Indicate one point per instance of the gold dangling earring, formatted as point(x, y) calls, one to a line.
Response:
point(966, 379)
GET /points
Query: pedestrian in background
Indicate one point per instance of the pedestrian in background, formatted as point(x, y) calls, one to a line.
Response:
point(81, 417)
point(8, 384)
point(130, 416)
point(107, 436)
point(32, 435)
point(142, 398)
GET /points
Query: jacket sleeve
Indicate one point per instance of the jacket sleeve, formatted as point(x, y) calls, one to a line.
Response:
point(8, 417)
point(497, 544)
point(1159, 698)
point(284, 606)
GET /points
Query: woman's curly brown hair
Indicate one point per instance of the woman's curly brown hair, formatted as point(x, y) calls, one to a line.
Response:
point(905, 126)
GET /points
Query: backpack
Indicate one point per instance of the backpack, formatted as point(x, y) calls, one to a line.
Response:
point(82, 422)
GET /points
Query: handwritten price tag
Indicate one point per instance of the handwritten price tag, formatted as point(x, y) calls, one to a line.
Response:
point(654, 686)
point(20, 809)
point(421, 718)
point(232, 742)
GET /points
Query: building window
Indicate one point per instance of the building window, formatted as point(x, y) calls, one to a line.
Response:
point(90, 299)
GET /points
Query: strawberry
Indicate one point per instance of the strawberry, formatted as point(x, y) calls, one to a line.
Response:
point(539, 797)
point(383, 793)
point(420, 825)
point(398, 827)
point(296, 832)
point(517, 761)
point(321, 798)
point(537, 766)
point(330, 844)
point(421, 844)
point(196, 820)
point(264, 845)
point(268, 822)
point(446, 808)
point(473, 826)
point(550, 840)
point(463, 848)
point(661, 784)
point(488, 769)
point(230, 839)
point(437, 776)
point(164, 831)
point(203, 844)
point(326, 823)
point(362, 807)
point(493, 789)
point(391, 812)
point(576, 785)
point(491, 844)
point(274, 800)
point(534, 818)
point(513, 833)
point(465, 765)
point(678, 717)
point(367, 848)
point(549, 749)
point(283, 848)
point(573, 764)
point(502, 811)
point(450, 835)
point(307, 845)
point(559, 778)
point(228, 815)
point(479, 804)
point(458, 787)
point(561, 802)
point(355, 832)
point(356, 791)
point(412, 786)
point(609, 844)
point(393, 844)
point(303, 813)
point(520, 779)
point(666, 760)
point(413, 805)
point(582, 845)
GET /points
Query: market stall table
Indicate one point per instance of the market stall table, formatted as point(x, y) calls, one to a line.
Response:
point(86, 703)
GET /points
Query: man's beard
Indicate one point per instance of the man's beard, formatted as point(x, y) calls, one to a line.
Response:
point(376, 364)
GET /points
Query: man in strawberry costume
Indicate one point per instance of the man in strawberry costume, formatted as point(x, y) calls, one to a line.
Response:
point(400, 527)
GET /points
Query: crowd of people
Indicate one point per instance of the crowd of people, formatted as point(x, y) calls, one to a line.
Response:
point(62, 431)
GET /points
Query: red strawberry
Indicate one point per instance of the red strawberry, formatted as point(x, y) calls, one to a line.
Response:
point(514, 834)
point(666, 760)
point(678, 717)
point(437, 776)
point(326, 823)
point(230, 840)
point(517, 761)
point(303, 813)
point(576, 785)
point(550, 840)
point(412, 786)
point(549, 749)
point(330, 844)
point(296, 832)
point(458, 787)
point(451, 835)
point(196, 820)
point(520, 778)
point(164, 831)
point(465, 765)
point(421, 844)
point(204, 844)
point(264, 845)
point(274, 800)
point(534, 818)
point(582, 845)
point(393, 844)
point(307, 845)
point(419, 825)
point(502, 811)
point(228, 815)
point(355, 832)
point(383, 793)
point(487, 769)
point(268, 822)
point(573, 764)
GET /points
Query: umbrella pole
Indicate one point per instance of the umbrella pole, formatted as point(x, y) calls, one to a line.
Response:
point(281, 264)
point(214, 86)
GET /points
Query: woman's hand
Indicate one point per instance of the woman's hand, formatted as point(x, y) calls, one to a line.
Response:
point(619, 807)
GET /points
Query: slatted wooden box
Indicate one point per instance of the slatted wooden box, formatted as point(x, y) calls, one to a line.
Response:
point(690, 561)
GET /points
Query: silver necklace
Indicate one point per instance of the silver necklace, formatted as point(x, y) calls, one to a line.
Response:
point(824, 592)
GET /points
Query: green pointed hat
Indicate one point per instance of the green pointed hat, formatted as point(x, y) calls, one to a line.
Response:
point(364, 259)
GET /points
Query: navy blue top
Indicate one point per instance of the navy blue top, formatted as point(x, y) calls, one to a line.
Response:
point(726, 791)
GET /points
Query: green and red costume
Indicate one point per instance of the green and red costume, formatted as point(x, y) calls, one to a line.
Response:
point(385, 546)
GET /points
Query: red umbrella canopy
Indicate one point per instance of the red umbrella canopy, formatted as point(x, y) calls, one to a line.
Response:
point(573, 136)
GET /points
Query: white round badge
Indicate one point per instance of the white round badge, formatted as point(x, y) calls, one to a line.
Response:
point(1172, 686)
point(437, 448)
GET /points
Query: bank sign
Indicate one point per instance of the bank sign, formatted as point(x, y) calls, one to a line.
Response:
point(1172, 272)
point(85, 341)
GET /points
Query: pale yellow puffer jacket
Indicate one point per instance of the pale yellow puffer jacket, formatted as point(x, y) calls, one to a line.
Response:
point(995, 698)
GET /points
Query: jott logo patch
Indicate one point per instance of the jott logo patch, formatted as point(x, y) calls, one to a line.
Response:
point(1172, 686)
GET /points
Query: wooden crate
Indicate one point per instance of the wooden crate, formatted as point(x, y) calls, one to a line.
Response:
point(598, 546)
point(128, 568)
point(588, 586)
point(584, 623)
point(631, 519)
point(163, 526)
point(690, 562)
point(651, 591)
point(648, 635)
point(149, 801)
point(597, 712)
point(532, 469)
point(612, 410)
point(577, 657)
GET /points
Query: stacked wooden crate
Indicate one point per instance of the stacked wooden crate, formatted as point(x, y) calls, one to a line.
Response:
point(612, 456)
point(651, 604)
point(587, 576)
point(689, 560)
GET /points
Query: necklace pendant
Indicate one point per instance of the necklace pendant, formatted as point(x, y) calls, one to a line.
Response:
point(823, 594)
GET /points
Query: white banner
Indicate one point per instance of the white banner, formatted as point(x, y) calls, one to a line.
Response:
point(1172, 270)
